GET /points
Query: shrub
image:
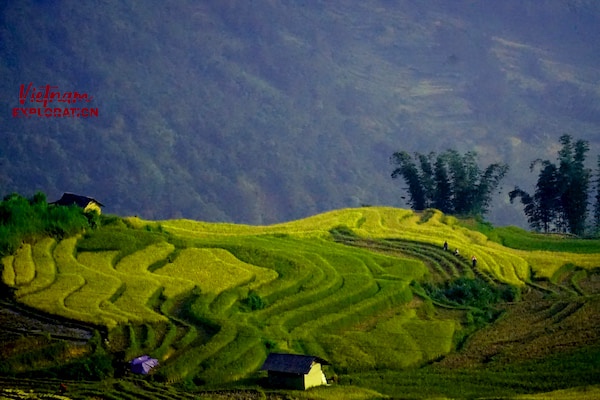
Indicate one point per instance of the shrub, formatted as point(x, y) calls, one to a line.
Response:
point(469, 292)
point(97, 367)
point(254, 301)
point(22, 220)
point(509, 293)
point(342, 231)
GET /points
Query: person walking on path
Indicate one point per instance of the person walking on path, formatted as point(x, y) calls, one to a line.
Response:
point(474, 261)
point(445, 246)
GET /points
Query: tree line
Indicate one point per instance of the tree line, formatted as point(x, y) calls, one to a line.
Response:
point(560, 201)
point(23, 219)
point(455, 184)
point(451, 182)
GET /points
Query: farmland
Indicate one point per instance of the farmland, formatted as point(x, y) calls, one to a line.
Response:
point(370, 289)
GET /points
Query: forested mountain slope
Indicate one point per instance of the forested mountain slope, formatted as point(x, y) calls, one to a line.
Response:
point(260, 112)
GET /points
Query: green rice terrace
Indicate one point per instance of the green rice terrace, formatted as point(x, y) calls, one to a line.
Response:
point(371, 290)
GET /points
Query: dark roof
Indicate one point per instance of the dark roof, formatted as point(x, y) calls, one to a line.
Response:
point(291, 363)
point(68, 199)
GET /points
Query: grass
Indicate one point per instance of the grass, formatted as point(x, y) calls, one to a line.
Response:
point(8, 270)
point(557, 372)
point(378, 222)
point(179, 290)
point(52, 299)
point(45, 267)
point(212, 270)
point(580, 393)
point(98, 286)
point(518, 238)
point(546, 263)
point(23, 265)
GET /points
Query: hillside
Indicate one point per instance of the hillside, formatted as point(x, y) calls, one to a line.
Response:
point(263, 112)
point(371, 290)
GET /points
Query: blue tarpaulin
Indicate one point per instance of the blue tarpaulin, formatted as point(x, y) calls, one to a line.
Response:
point(143, 364)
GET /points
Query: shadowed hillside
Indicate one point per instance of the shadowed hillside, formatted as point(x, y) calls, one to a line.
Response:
point(260, 112)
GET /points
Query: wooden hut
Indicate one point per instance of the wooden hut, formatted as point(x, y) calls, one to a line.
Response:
point(87, 203)
point(294, 371)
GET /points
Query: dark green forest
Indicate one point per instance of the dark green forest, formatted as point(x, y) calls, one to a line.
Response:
point(260, 112)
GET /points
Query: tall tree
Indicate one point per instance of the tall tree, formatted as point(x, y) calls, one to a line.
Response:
point(408, 170)
point(488, 182)
point(547, 195)
point(530, 207)
point(426, 177)
point(597, 203)
point(453, 184)
point(472, 189)
point(443, 188)
point(461, 172)
point(561, 197)
point(543, 208)
point(574, 183)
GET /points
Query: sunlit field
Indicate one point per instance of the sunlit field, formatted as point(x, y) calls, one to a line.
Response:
point(211, 300)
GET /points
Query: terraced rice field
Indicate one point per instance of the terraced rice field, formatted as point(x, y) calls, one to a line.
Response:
point(180, 290)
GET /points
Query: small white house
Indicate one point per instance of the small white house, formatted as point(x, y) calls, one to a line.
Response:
point(294, 371)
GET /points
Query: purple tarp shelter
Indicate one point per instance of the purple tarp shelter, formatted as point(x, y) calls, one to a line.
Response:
point(143, 364)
